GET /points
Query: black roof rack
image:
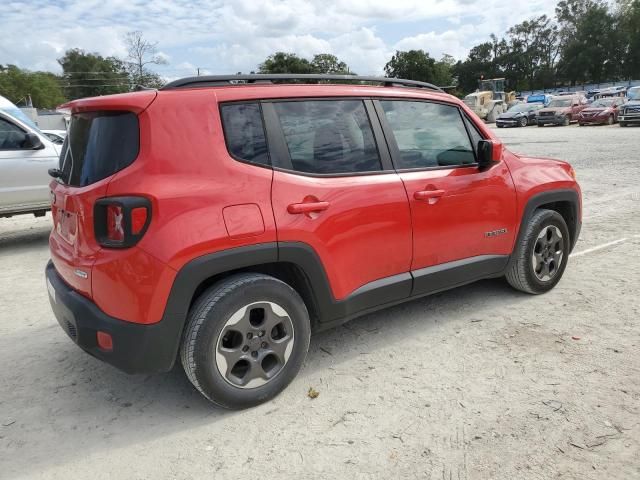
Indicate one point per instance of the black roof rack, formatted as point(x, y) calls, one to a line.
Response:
point(218, 80)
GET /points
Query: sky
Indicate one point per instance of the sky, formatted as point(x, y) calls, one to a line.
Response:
point(223, 37)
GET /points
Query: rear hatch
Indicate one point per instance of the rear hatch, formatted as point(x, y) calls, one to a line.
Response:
point(103, 139)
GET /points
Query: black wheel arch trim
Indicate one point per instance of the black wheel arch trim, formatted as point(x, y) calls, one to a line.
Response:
point(550, 197)
point(329, 312)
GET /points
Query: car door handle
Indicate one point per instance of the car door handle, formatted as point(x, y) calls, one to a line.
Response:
point(425, 195)
point(307, 207)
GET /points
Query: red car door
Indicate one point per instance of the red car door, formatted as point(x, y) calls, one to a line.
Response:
point(335, 193)
point(464, 219)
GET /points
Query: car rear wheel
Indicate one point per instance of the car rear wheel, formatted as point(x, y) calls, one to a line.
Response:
point(541, 255)
point(246, 339)
point(523, 122)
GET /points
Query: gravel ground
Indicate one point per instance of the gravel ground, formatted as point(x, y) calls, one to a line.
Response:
point(477, 383)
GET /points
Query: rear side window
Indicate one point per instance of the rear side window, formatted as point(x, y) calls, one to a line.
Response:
point(244, 132)
point(98, 144)
point(428, 134)
point(328, 136)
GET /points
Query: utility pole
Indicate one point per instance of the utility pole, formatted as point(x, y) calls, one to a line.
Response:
point(198, 68)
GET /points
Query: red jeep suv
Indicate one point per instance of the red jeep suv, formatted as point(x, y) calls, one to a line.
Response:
point(219, 220)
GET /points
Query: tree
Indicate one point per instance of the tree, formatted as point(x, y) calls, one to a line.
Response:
point(42, 87)
point(90, 75)
point(326, 63)
point(140, 54)
point(628, 15)
point(533, 49)
point(281, 62)
point(443, 71)
point(411, 65)
point(591, 49)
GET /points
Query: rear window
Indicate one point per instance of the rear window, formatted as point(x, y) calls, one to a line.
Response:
point(98, 145)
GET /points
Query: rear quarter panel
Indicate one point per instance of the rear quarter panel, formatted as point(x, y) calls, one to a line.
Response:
point(185, 170)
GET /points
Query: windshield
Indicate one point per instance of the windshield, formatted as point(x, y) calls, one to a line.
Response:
point(523, 107)
point(16, 113)
point(603, 102)
point(634, 94)
point(560, 102)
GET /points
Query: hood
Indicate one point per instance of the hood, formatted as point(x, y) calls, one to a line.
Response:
point(596, 109)
point(555, 109)
point(511, 115)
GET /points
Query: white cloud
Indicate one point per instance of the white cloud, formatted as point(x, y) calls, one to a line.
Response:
point(225, 36)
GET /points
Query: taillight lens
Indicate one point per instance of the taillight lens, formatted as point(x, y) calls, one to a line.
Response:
point(120, 222)
point(115, 229)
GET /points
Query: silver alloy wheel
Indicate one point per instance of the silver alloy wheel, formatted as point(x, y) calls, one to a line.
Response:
point(254, 345)
point(548, 253)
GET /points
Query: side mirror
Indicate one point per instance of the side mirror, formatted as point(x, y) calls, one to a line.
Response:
point(489, 152)
point(32, 142)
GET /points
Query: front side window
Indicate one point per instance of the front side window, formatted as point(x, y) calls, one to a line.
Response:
point(428, 134)
point(244, 132)
point(474, 133)
point(328, 136)
point(12, 137)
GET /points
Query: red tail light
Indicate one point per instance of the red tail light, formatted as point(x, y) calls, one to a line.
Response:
point(120, 222)
point(115, 229)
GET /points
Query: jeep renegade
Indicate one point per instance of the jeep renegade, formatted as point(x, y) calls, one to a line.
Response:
point(218, 221)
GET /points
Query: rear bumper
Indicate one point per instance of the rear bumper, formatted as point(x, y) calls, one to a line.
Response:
point(137, 348)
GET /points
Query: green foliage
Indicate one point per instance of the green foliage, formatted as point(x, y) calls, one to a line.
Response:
point(326, 63)
point(323, 63)
point(588, 42)
point(43, 87)
point(411, 65)
point(281, 62)
point(89, 74)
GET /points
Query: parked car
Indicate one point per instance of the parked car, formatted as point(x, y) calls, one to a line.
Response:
point(218, 223)
point(26, 155)
point(561, 111)
point(519, 115)
point(601, 111)
point(56, 136)
point(543, 98)
point(630, 111)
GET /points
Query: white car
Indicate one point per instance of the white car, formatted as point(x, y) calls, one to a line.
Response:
point(56, 136)
point(26, 155)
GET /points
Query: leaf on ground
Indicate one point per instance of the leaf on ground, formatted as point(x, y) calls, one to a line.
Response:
point(312, 393)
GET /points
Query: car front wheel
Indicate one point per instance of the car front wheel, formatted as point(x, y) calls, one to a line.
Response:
point(541, 255)
point(246, 339)
point(523, 122)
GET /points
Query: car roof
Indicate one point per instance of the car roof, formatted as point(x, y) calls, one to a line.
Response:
point(274, 91)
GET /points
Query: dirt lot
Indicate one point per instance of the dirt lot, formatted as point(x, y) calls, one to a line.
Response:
point(477, 383)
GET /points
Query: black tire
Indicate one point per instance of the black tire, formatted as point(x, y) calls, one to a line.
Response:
point(202, 340)
point(523, 122)
point(520, 273)
point(540, 124)
point(623, 124)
